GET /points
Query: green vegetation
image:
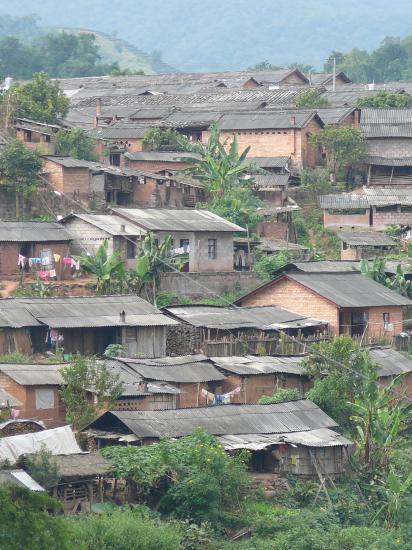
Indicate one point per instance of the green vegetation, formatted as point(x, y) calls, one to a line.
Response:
point(88, 387)
point(280, 396)
point(310, 99)
point(76, 143)
point(41, 99)
point(383, 99)
point(345, 149)
point(159, 139)
point(376, 270)
point(109, 269)
point(390, 62)
point(19, 172)
point(266, 266)
point(42, 467)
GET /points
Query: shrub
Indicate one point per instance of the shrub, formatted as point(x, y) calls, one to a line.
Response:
point(280, 396)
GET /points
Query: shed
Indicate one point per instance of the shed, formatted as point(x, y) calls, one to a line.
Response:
point(358, 245)
point(288, 432)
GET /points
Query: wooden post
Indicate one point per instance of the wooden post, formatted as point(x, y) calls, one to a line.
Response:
point(197, 397)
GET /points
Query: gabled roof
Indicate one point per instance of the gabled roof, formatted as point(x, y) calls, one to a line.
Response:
point(41, 232)
point(390, 361)
point(271, 181)
point(342, 289)
point(176, 219)
point(110, 223)
point(344, 201)
point(261, 364)
point(270, 162)
point(334, 115)
point(289, 417)
point(162, 156)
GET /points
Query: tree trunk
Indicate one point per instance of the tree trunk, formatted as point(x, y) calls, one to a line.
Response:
point(17, 204)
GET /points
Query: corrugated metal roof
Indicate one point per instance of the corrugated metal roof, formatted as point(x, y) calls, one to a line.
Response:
point(6, 399)
point(322, 437)
point(184, 119)
point(271, 181)
point(33, 232)
point(294, 416)
point(343, 201)
point(34, 375)
point(186, 371)
point(156, 156)
point(270, 162)
point(110, 223)
point(365, 238)
point(121, 131)
point(386, 130)
point(386, 116)
point(388, 161)
point(263, 318)
point(390, 361)
point(388, 196)
point(176, 219)
point(255, 365)
point(334, 115)
point(80, 311)
point(327, 266)
point(20, 478)
point(350, 289)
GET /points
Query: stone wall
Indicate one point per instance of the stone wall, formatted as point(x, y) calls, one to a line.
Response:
point(198, 285)
point(182, 340)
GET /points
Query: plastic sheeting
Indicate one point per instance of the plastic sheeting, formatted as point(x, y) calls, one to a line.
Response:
point(60, 441)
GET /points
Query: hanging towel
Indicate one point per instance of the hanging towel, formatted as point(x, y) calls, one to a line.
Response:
point(21, 261)
point(57, 258)
point(76, 265)
point(235, 391)
point(67, 260)
point(52, 273)
point(33, 261)
point(44, 275)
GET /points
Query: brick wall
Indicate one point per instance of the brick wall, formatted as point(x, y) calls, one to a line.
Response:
point(395, 215)
point(68, 180)
point(274, 229)
point(87, 236)
point(155, 166)
point(295, 297)
point(343, 220)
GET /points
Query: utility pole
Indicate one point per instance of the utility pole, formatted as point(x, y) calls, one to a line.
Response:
point(334, 75)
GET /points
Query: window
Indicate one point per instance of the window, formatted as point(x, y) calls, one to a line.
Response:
point(212, 249)
point(130, 249)
point(184, 243)
point(115, 159)
point(44, 398)
point(386, 321)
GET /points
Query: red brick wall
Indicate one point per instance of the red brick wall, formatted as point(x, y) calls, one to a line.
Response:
point(295, 297)
point(155, 166)
point(343, 220)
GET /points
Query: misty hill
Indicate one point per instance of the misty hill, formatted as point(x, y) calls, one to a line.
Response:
point(195, 35)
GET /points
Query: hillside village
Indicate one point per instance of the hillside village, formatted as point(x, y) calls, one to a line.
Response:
point(228, 255)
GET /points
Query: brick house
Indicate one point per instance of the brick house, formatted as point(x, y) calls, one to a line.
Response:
point(39, 240)
point(155, 161)
point(36, 386)
point(350, 302)
point(206, 237)
point(358, 245)
point(37, 136)
point(274, 133)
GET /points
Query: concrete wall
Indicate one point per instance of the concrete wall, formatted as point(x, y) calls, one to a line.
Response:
point(343, 220)
point(382, 217)
point(208, 284)
point(87, 236)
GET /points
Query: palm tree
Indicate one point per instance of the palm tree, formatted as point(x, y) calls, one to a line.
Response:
point(155, 258)
point(108, 269)
point(216, 165)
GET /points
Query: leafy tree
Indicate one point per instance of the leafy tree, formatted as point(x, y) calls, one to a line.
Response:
point(266, 266)
point(85, 377)
point(383, 99)
point(345, 148)
point(155, 258)
point(160, 139)
point(280, 396)
point(395, 499)
point(302, 67)
point(16, 59)
point(338, 56)
point(375, 269)
point(340, 369)
point(310, 99)
point(316, 181)
point(219, 166)
point(203, 480)
point(19, 171)
point(40, 99)
point(42, 467)
point(264, 66)
point(25, 522)
point(108, 268)
point(76, 143)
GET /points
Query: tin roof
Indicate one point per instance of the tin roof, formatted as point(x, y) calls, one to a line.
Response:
point(386, 116)
point(262, 364)
point(110, 223)
point(343, 201)
point(176, 219)
point(80, 311)
point(270, 162)
point(388, 160)
point(226, 318)
point(34, 375)
point(390, 361)
point(270, 181)
point(6, 399)
point(365, 238)
point(293, 416)
point(266, 120)
point(33, 232)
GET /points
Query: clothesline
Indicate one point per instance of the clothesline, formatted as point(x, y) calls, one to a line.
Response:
point(219, 399)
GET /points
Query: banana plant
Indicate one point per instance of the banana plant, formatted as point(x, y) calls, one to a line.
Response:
point(154, 259)
point(395, 496)
point(108, 268)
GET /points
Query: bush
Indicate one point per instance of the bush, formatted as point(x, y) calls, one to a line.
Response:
point(124, 530)
point(266, 266)
point(280, 396)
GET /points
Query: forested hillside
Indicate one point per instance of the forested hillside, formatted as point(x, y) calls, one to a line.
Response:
point(216, 35)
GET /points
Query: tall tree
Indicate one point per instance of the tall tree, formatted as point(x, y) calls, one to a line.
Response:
point(19, 171)
point(41, 99)
point(89, 386)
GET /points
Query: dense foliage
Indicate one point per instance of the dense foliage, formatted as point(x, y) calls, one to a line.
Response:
point(266, 266)
point(108, 268)
point(88, 387)
point(311, 99)
point(280, 396)
point(200, 480)
point(76, 143)
point(383, 99)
